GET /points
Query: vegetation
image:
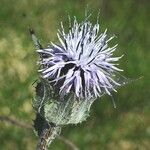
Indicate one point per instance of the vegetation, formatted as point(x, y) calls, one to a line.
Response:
point(127, 126)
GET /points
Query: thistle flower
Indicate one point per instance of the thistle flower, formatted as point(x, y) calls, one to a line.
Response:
point(82, 62)
point(73, 74)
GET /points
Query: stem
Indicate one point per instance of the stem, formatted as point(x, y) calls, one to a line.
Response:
point(43, 142)
point(47, 136)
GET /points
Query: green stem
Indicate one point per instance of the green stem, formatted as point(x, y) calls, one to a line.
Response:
point(47, 136)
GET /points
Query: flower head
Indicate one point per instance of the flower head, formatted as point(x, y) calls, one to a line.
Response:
point(82, 63)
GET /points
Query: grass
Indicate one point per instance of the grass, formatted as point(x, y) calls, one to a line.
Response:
point(125, 128)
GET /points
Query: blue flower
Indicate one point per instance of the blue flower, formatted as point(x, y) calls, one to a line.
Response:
point(83, 62)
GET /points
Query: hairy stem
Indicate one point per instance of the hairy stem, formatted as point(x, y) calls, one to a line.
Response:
point(47, 136)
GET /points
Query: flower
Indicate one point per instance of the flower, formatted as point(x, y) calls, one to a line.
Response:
point(82, 63)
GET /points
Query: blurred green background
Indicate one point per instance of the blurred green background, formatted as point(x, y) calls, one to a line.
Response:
point(124, 128)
